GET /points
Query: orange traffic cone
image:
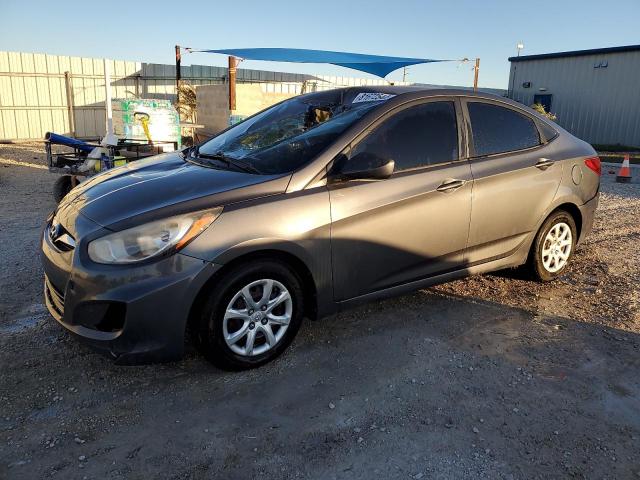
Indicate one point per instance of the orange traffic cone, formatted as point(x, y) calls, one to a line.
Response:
point(624, 174)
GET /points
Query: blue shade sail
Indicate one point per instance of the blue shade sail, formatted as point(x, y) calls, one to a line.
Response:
point(375, 64)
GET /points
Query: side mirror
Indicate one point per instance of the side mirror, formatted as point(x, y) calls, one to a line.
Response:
point(362, 166)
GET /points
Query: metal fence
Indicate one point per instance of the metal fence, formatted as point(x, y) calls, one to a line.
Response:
point(63, 94)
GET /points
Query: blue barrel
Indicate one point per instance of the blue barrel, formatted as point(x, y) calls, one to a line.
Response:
point(67, 141)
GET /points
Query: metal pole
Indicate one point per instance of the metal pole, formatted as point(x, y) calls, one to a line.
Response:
point(178, 75)
point(232, 83)
point(72, 120)
point(513, 80)
point(475, 75)
point(511, 93)
point(107, 101)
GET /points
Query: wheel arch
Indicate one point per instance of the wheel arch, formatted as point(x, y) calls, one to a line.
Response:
point(566, 206)
point(573, 210)
point(293, 262)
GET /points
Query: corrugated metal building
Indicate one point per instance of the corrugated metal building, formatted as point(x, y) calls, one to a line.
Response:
point(41, 93)
point(594, 93)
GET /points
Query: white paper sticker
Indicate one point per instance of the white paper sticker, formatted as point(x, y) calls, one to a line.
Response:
point(372, 97)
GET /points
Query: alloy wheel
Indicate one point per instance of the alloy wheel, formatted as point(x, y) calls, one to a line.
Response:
point(257, 317)
point(557, 247)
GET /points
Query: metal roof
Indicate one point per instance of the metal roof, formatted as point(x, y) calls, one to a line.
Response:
point(576, 53)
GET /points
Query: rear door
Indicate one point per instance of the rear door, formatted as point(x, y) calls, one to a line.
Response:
point(415, 223)
point(515, 180)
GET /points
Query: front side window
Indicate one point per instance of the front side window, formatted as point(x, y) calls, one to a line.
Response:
point(497, 129)
point(417, 136)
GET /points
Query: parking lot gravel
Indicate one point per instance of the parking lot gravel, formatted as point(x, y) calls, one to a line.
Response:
point(494, 376)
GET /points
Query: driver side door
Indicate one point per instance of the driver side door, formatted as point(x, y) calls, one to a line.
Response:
point(413, 224)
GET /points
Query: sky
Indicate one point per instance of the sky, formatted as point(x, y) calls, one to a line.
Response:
point(147, 31)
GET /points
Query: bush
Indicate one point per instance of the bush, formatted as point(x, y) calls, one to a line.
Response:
point(538, 107)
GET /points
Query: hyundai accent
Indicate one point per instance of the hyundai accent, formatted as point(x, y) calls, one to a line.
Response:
point(314, 205)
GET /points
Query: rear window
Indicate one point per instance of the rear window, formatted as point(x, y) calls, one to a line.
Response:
point(497, 129)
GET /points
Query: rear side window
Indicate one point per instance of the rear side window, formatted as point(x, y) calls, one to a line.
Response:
point(417, 136)
point(498, 129)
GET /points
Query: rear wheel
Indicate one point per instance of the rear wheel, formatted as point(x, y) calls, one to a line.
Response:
point(252, 316)
point(553, 246)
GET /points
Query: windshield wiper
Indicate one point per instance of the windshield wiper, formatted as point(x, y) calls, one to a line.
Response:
point(186, 152)
point(231, 161)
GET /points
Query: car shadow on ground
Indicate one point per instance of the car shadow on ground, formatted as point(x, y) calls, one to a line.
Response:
point(433, 382)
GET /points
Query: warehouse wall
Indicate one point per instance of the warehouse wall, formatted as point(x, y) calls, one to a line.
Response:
point(41, 93)
point(599, 105)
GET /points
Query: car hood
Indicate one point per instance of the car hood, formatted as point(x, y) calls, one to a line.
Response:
point(165, 184)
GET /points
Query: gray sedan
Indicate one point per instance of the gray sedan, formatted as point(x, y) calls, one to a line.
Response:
point(319, 203)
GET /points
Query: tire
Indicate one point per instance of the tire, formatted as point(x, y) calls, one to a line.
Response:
point(541, 262)
point(61, 187)
point(213, 327)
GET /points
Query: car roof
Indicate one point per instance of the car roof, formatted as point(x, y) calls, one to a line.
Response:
point(404, 93)
point(413, 91)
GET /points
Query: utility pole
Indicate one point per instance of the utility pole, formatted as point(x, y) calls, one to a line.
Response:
point(232, 83)
point(475, 75)
point(404, 74)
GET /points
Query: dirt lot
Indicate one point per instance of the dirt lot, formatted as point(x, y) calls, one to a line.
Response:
point(489, 377)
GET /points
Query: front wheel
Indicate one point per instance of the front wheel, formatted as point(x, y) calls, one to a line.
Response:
point(553, 246)
point(253, 314)
point(64, 185)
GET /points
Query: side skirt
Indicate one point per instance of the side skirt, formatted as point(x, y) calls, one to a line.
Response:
point(516, 259)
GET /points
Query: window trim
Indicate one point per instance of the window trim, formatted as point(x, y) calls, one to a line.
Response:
point(540, 124)
point(471, 143)
point(462, 137)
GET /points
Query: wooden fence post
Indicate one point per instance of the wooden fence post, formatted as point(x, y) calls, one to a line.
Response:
point(72, 120)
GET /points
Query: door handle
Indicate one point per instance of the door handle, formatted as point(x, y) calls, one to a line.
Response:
point(544, 163)
point(450, 185)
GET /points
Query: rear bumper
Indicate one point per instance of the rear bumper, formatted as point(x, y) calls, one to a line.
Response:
point(588, 211)
point(134, 313)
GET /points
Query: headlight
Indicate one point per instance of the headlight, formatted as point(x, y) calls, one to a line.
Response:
point(151, 239)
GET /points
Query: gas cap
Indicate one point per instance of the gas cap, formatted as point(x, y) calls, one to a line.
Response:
point(576, 174)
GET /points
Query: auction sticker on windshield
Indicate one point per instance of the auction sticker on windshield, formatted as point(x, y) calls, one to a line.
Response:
point(372, 97)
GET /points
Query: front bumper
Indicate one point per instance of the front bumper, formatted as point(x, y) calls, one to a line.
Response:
point(135, 313)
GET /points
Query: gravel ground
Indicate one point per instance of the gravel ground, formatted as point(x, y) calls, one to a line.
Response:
point(489, 377)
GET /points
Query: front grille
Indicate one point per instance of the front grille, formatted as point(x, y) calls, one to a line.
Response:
point(60, 237)
point(55, 298)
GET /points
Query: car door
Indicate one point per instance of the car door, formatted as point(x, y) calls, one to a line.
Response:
point(413, 224)
point(514, 180)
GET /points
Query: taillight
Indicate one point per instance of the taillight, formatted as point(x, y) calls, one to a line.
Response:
point(594, 164)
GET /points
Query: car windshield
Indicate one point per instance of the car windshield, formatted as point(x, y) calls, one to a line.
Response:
point(284, 137)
